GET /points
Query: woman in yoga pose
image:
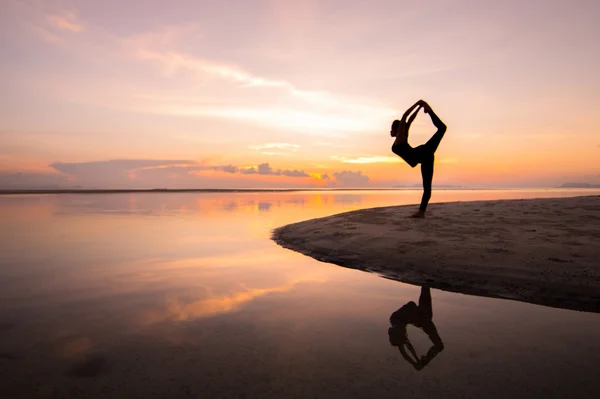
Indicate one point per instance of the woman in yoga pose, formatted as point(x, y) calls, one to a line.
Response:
point(423, 154)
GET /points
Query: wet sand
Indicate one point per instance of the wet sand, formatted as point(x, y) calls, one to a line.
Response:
point(541, 251)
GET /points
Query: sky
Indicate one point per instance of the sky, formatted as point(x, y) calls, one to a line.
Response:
point(278, 93)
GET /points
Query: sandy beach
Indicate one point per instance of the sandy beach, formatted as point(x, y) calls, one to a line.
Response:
point(542, 251)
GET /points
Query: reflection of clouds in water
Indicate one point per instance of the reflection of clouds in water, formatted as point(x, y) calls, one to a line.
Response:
point(347, 199)
point(149, 297)
point(161, 204)
point(78, 229)
point(259, 206)
point(178, 309)
point(21, 208)
point(296, 201)
point(264, 206)
point(230, 206)
point(174, 204)
point(230, 289)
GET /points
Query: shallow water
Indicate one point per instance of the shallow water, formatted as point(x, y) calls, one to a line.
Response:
point(184, 295)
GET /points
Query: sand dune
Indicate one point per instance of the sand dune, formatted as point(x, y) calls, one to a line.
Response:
point(543, 251)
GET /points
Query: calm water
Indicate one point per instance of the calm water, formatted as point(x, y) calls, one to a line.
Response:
point(184, 295)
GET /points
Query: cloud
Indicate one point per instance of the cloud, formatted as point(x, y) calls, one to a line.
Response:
point(447, 160)
point(265, 169)
point(45, 35)
point(226, 168)
point(114, 166)
point(174, 61)
point(370, 159)
point(156, 173)
point(140, 173)
point(352, 179)
point(249, 171)
point(296, 119)
point(279, 146)
point(121, 172)
point(201, 85)
point(275, 148)
point(23, 181)
point(323, 143)
point(383, 159)
point(294, 173)
point(284, 106)
point(66, 21)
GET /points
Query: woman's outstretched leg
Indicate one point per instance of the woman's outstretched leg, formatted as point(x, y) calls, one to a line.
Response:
point(433, 143)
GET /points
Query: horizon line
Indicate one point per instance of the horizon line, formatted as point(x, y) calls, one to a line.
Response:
point(250, 190)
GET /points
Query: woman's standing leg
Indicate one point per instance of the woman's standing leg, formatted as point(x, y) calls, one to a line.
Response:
point(427, 176)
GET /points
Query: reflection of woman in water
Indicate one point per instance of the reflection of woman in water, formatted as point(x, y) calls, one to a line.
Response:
point(419, 316)
point(423, 154)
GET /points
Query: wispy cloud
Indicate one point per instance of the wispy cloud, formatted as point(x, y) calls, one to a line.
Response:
point(383, 159)
point(369, 159)
point(214, 88)
point(289, 119)
point(447, 160)
point(351, 179)
point(140, 173)
point(265, 169)
point(174, 61)
point(45, 34)
point(21, 180)
point(323, 143)
point(125, 168)
point(289, 107)
point(66, 21)
point(279, 146)
point(116, 165)
point(226, 168)
point(189, 308)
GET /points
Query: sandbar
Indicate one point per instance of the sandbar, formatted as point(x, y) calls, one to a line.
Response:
point(543, 251)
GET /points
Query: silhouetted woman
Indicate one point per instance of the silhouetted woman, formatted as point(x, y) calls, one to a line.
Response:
point(419, 316)
point(423, 154)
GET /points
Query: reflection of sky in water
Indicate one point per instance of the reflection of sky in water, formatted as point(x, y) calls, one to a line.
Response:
point(187, 290)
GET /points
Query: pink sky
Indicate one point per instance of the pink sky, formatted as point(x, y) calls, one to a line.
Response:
point(206, 94)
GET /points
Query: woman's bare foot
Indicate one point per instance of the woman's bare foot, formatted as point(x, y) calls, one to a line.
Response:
point(419, 215)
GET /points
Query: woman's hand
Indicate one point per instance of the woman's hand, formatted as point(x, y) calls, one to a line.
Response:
point(408, 111)
point(426, 107)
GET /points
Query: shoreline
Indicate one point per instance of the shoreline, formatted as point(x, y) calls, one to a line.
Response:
point(272, 190)
point(542, 251)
